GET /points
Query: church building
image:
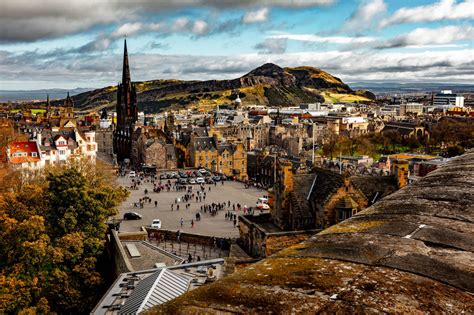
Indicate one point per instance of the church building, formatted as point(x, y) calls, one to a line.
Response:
point(127, 112)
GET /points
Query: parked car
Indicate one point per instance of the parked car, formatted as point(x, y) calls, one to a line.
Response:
point(132, 216)
point(164, 176)
point(192, 181)
point(132, 174)
point(183, 181)
point(200, 180)
point(216, 178)
point(262, 206)
point(156, 223)
point(202, 170)
point(209, 180)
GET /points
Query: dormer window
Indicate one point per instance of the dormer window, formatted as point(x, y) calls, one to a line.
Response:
point(34, 154)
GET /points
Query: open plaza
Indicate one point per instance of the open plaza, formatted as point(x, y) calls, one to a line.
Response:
point(167, 204)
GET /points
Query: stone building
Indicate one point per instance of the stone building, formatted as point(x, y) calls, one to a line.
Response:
point(229, 159)
point(324, 198)
point(105, 141)
point(152, 147)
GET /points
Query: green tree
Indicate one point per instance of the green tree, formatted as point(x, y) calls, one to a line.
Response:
point(52, 234)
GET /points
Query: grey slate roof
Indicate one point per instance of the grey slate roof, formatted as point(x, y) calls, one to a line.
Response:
point(156, 289)
point(204, 143)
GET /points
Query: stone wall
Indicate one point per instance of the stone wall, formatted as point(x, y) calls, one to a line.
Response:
point(278, 241)
point(167, 235)
point(117, 255)
point(259, 242)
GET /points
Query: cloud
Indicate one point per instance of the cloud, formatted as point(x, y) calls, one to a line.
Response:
point(365, 14)
point(200, 27)
point(59, 70)
point(257, 16)
point(26, 21)
point(127, 29)
point(326, 39)
point(424, 37)
point(272, 46)
point(101, 43)
point(440, 11)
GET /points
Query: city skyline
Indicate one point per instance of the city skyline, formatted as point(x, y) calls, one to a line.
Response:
point(50, 44)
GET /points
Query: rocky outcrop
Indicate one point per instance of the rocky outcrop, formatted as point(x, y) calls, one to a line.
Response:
point(268, 84)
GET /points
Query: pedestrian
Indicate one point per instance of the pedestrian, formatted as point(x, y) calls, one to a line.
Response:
point(172, 207)
point(178, 235)
point(182, 221)
point(156, 203)
point(190, 258)
point(235, 221)
point(192, 223)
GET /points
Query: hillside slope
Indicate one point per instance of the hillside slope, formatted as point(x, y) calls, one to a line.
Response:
point(268, 84)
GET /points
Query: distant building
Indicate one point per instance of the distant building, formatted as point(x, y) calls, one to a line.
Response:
point(51, 147)
point(413, 108)
point(447, 98)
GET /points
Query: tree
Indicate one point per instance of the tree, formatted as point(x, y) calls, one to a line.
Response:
point(52, 234)
point(330, 145)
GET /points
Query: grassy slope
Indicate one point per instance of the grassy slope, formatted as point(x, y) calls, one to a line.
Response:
point(330, 97)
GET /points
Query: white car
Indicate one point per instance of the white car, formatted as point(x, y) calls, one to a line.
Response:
point(202, 171)
point(132, 174)
point(192, 181)
point(156, 223)
point(262, 206)
point(200, 180)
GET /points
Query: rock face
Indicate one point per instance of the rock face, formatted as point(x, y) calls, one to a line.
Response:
point(268, 84)
point(412, 252)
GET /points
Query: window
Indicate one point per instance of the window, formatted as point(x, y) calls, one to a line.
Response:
point(62, 152)
point(34, 154)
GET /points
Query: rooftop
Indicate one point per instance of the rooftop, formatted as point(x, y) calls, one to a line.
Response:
point(148, 255)
point(135, 292)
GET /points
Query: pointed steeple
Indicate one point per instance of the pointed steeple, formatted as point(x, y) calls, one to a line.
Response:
point(126, 69)
point(68, 102)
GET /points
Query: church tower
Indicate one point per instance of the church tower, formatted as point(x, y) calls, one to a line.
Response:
point(127, 112)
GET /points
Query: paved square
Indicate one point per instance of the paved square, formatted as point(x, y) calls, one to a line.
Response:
point(218, 226)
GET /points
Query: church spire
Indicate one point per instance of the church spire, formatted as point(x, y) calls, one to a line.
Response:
point(125, 70)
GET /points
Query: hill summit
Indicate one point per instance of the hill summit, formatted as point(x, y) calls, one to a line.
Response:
point(268, 84)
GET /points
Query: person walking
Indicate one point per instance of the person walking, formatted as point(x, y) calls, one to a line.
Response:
point(182, 221)
point(156, 203)
point(192, 223)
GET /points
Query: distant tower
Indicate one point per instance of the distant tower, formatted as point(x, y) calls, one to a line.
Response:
point(48, 106)
point(68, 102)
point(127, 112)
point(237, 101)
point(68, 107)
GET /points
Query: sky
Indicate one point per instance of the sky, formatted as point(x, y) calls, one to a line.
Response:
point(79, 43)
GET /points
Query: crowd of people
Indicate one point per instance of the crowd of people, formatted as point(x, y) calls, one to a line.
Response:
point(192, 194)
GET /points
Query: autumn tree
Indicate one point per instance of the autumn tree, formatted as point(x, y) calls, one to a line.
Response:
point(52, 234)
